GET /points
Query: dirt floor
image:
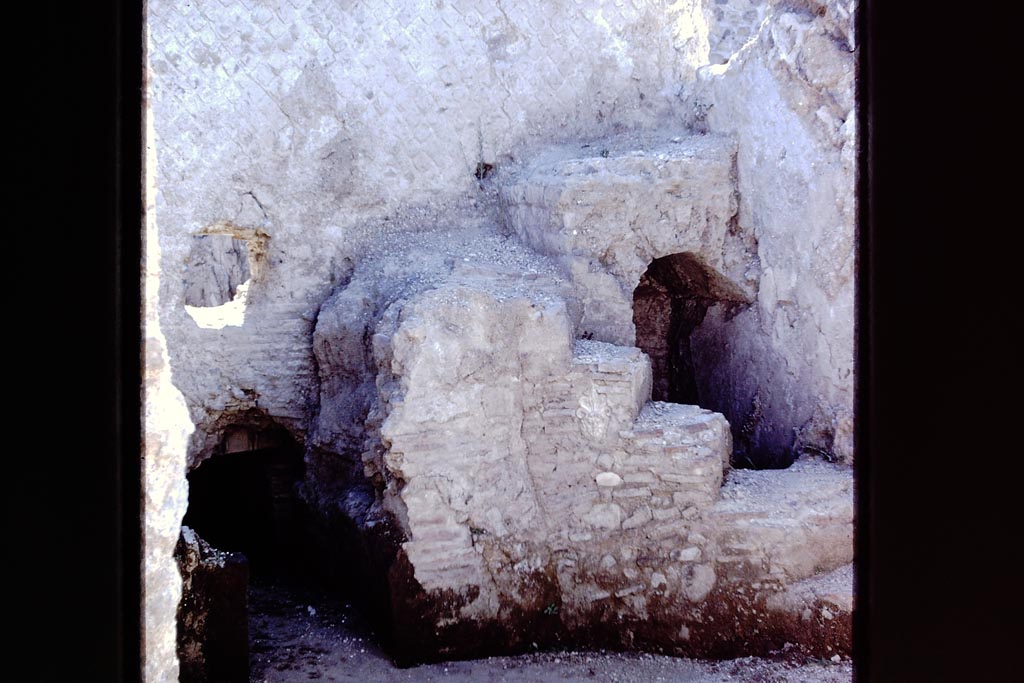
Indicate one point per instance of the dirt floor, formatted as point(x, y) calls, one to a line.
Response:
point(297, 635)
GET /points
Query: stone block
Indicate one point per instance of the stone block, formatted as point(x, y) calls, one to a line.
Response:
point(213, 616)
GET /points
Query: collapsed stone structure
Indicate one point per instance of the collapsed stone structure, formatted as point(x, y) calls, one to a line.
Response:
point(479, 240)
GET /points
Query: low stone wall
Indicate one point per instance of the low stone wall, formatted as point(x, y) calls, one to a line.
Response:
point(537, 490)
point(213, 616)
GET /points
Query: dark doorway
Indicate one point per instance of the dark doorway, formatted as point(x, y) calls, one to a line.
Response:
point(668, 304)
point(241, 530)
point(246, 500)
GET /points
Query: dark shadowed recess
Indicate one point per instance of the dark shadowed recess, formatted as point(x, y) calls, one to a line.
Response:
point(246, 501)
point(299, 526)
point(244, 508)
point(669, 304)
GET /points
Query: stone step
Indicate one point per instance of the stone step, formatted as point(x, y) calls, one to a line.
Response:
point(601, 358)
point(566, 182)
point(797, 519)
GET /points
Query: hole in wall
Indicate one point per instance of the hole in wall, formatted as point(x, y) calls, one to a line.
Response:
point(241, 531)
point(217, 265)
point(218, 272)
point(245, 499)
point(669, 303)
point(267, 585)
point(483, 170)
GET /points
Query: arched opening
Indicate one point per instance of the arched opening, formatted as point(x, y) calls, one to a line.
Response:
point(664, 321)
point(241, 535)
point(244, 499)
point(669, 303)
point(261, 562)
point(681, 311)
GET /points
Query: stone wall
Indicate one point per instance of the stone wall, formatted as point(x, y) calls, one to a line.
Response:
point(731, 23)
point(165, 491)
point(523, 468)
point(383, 118)
point(788, 98)
point(364, 150)
point(528, 475)
point(321, 123)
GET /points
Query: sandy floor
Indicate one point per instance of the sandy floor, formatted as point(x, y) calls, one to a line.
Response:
point(295, 636)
